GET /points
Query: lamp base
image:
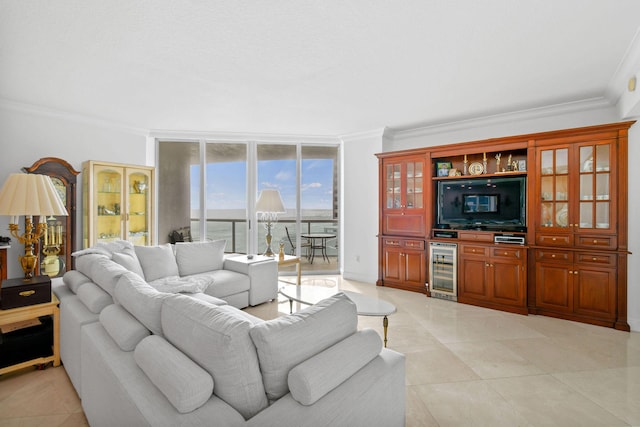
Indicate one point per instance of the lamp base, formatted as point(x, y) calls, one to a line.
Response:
point(268, 252)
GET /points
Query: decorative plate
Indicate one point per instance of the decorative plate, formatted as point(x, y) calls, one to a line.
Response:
point(476, 168)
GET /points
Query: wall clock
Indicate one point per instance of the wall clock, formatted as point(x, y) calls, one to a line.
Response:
point(56, 246)
point(476, 168)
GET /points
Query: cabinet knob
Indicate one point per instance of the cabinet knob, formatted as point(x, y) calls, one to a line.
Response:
point(595, 241)
point(554, 239)
point(506, 253)
point(594, 259)
point(553, 255)
point(575, 272)
point(486, 264)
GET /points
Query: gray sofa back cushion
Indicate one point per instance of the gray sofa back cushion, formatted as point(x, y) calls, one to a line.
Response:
point(217, 338)
point(185, 384)
point(199, 257)
point(141, 300)
point(287, 341)
point(125, 329)
point(317, 376)
point(84, 263)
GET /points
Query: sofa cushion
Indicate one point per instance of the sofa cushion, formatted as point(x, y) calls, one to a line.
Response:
point(141, 300)
point(129, 260)
point(194, 258)
point(105, 273)
point(157, 261)
point(217, 338)
point(285, 342)
point(317, 376)
point(84, 263)
point(125, 329)
point(185, 384)
point(94, 297)
point(225, 283)
point(73, 279)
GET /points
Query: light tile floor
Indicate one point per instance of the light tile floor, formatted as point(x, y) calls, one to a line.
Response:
point(465, 366)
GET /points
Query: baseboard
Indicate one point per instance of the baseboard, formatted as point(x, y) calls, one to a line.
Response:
point(634, 324)
point(359, 277)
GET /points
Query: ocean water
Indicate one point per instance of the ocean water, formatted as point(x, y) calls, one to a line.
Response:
point(231, 226)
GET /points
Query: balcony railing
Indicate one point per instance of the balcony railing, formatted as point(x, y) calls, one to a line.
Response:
point(234, 231)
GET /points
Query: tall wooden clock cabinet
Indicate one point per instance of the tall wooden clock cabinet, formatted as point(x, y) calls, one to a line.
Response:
point(56, 246)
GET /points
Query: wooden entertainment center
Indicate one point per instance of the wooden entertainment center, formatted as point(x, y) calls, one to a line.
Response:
point(557, 246)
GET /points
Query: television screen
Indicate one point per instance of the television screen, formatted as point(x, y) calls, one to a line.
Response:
point(497, 203)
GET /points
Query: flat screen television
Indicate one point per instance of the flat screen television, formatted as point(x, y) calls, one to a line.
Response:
point(496, 203)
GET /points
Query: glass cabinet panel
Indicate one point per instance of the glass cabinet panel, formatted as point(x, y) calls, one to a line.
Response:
point(138, 207)
point(414, 185)
point(393, 186)
point(109, 204)
point(554, 188)
point(594, 186)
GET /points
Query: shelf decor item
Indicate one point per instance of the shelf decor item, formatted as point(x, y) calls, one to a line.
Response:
point(269, 205)
point(29, 195)
point(443, 168)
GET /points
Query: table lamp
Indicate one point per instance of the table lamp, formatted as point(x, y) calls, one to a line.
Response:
point(29, 195)
point(269, 205)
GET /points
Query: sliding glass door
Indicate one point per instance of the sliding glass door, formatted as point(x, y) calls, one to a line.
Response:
point(212, 188)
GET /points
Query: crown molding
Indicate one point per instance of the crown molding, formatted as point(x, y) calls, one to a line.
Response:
point(369, 134)
point(42, 111)
point(628, 67)
point(496, 119)
point(176, 135)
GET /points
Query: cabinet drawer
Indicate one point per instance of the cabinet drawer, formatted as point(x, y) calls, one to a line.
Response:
point(551, 255)
point(553, 240)
point(592, 258)
point(392, 242)
point(600, 242)
point(508, 252)
point(476, 237)
point(473, 250)
point(414, 244)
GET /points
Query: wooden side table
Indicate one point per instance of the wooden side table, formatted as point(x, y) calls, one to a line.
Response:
point(291, 260)
point(30, 312)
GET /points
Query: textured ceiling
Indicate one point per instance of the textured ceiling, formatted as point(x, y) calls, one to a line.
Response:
point(329, 67)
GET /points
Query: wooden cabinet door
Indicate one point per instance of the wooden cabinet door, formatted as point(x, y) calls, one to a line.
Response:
point(508, 282)
point(594, 291)
point(554, 286)
point(472, 278)
point(393, 265)
point(415, 268)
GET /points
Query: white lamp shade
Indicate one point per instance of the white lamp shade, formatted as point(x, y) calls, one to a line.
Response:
point(270, 201)
point(30, 194)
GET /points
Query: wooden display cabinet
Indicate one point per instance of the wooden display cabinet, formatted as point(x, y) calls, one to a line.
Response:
point(58, 242)
point(118, 203)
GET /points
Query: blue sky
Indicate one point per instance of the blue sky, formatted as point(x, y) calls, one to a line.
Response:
point(226, 183)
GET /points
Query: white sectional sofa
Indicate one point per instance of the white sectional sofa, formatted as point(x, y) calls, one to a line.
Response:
point(188, 356)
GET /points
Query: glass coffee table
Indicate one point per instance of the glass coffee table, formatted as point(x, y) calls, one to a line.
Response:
point(365, 305)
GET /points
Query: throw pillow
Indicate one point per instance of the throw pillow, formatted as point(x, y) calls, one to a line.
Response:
point(157, 261)
point(285, 342)
point(185, 384)
point(317, 376)
point(125, 329)
point(199, 257)
point(141, 300)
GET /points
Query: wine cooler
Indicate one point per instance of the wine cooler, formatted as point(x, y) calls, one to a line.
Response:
point(442, 270)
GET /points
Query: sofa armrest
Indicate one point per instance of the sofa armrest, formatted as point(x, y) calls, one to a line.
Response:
point(263, 276)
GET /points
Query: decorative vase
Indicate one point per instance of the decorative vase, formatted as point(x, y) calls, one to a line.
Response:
point(139, 186)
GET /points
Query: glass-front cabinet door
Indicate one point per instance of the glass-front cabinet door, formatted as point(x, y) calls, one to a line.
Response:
point(404, 185)
point(595, 186)
point(108, 208)
point(554, 188)
point(137, 220)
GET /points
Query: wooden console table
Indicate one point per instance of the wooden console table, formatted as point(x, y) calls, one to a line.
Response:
point(30, 312)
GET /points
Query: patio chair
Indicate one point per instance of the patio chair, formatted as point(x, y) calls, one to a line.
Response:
point(304, 243)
